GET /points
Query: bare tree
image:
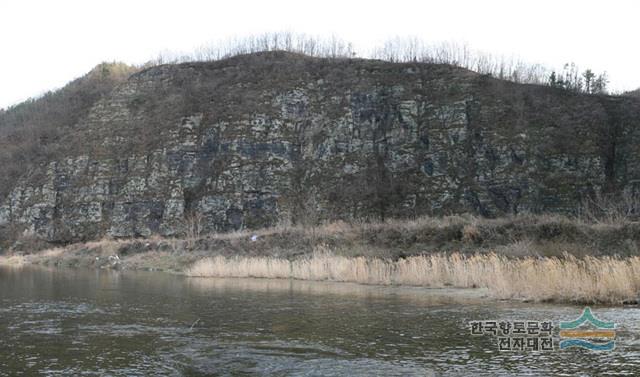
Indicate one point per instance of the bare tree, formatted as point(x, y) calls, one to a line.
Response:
point(398, 49)
point(194, 226)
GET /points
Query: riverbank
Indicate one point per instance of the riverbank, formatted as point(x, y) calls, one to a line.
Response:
point(604, 280)
point(536, 258)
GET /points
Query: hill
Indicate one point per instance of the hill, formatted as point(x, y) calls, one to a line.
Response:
point(264, 138)
point(31, 131)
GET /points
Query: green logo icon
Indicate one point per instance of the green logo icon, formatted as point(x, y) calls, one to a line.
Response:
point(599, 339)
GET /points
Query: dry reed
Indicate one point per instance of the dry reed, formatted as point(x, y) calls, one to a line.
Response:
point(567, 279)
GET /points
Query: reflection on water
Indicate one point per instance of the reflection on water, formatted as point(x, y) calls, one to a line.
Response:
point(69, 322)
point(302, 287)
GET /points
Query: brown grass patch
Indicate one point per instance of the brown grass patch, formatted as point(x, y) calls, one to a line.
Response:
point(568, 279)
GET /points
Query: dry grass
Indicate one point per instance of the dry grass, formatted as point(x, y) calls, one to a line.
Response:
point(611, 209)
point(532, 257)
point(519, 248)
point(12, 260)
point(105, 245)
point(590, 279)
point(522, 235)
point(52, 253)
point(567, 279)
point(436, 270)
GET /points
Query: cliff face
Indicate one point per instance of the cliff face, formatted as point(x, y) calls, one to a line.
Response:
point(253, 140)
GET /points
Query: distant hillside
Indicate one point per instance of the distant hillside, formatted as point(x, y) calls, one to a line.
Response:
point(262, 138)
point(633, 93)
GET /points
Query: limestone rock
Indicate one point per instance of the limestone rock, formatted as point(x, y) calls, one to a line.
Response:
point(250, 141)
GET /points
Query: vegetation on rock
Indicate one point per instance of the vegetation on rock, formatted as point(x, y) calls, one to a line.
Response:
point(251, 140)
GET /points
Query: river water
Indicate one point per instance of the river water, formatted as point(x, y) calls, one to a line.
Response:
point(101, 323)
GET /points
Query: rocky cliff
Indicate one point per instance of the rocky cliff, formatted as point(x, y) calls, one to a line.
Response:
point(253, 140)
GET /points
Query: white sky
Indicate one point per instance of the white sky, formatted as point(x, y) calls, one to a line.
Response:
point(45, 44)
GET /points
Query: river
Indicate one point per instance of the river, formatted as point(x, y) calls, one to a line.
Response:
point(121, 323)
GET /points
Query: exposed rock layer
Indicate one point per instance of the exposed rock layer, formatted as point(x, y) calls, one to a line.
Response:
point(254, 140)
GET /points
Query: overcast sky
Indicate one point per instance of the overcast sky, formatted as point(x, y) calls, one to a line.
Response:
point(45, 44)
